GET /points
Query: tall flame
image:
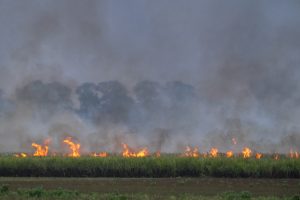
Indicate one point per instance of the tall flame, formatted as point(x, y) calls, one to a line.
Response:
point(246, 152)
point(41, 150)
point(74, 147)
point(213, 152)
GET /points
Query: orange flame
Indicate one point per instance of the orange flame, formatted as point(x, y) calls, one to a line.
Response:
point(21, 155)
point(258, 155)
point(128, 153)
point(142, 153)
point(189, 152)
point(157, 154)
point(246, 152)
point(294, 154)
point(74, 147)
point(41, 150)
point(101, 154)
point(229, 154)
point(213, 152)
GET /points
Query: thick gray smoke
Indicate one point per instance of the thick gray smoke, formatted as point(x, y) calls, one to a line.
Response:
point(159, 73)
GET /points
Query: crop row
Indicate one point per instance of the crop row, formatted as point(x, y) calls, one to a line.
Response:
point(165, 166)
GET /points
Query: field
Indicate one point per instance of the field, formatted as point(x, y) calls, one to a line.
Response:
point(152, 167)
point(148, 188)
point(165, 177)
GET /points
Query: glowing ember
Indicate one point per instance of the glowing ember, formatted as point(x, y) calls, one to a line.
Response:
point(101, 154)
point(21, 155)
point(246, 152)
point(294, 154)
point(189, 152)
point(258, 155)
point(213, 152)
point(74, 147)
point(157, 154)
point(276, 156)
point(127, 152)
point(229, 154)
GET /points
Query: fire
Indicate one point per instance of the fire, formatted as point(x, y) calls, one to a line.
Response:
point(246, 152)
point(74, 147)
point(157, 154)
point(41, 150)
point(213, 152)
point(21, 155)
point(127, 152)
point(101, 154)
point(142, 153)
point(294, 154)
point(258, 155)
point(189, 152)
point(229, 154)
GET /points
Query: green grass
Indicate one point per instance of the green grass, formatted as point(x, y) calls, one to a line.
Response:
point(165, 166)
point(40, 193)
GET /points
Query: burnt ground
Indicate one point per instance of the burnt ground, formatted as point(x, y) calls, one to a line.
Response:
point(162, 186)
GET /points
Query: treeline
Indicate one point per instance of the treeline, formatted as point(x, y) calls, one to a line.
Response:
point(110, 101)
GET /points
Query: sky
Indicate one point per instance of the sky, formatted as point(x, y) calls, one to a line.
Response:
point(242, 57)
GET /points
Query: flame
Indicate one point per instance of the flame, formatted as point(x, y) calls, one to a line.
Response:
point(294, 154)
point(229, 154)
point(246, 152)
point(189, 152)
point(21, 155)
point(128, 153)
point(74, 147)
point(213, 152)
point(101, 154)
point(258, 155)
point(142, 153)
point(157, 154)
point(41, 150)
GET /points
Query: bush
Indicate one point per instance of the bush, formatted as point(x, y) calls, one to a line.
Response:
point(3, 189)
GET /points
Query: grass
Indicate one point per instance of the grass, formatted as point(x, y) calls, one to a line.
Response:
point(165, 166)
point(40, 193)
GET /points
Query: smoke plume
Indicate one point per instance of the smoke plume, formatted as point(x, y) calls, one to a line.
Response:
point(164, 74)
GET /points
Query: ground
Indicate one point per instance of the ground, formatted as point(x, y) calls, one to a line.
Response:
point(162, 186)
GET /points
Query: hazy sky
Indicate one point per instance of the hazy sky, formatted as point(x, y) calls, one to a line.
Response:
point(136, 40)
point(243, 57)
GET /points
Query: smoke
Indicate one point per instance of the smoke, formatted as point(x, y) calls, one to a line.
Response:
point(159, 73)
